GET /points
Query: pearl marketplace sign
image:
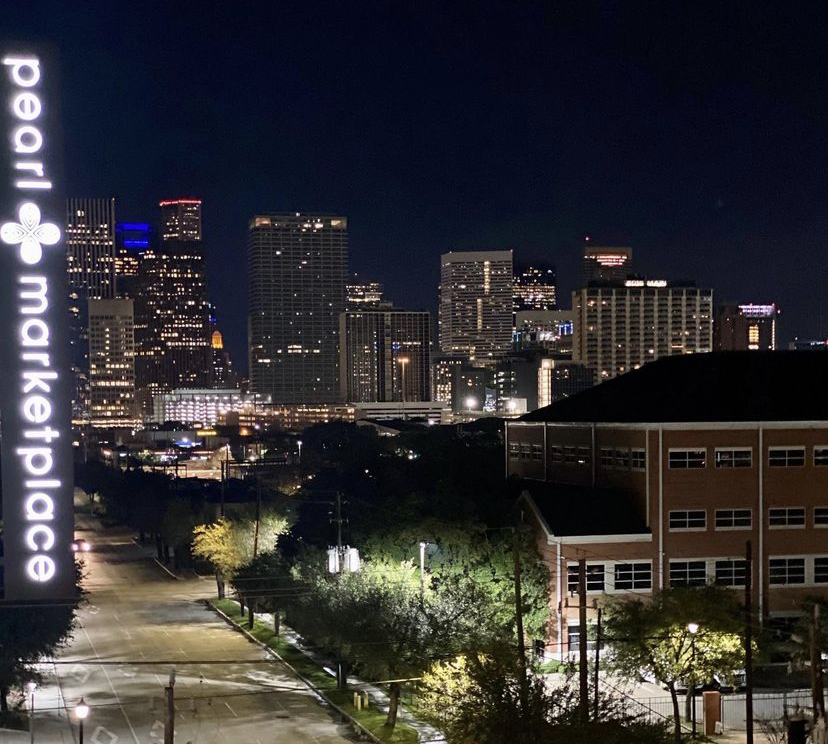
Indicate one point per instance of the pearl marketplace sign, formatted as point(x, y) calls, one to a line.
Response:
point(35, 433)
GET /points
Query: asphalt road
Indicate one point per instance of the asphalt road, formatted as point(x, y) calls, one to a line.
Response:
point(139, 625)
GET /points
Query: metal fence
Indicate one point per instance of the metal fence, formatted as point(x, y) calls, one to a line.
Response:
point(766, 706)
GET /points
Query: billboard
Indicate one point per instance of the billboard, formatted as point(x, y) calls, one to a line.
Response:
point(35, 433)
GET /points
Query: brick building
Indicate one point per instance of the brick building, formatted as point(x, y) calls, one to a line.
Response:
point(658, 477)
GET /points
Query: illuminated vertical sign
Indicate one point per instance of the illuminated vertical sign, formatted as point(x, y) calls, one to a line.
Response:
point(34, 380)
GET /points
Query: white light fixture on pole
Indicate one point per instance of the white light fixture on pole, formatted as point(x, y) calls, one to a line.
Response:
point(81, 713)
point(693, 628)
point(30, 688)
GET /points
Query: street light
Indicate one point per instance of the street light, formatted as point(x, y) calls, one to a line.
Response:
point(403, 361)
point(299, 445)
point(693, 628)
point(423, 545)
point(30, 687)
point(471, 403)
point(81, 712)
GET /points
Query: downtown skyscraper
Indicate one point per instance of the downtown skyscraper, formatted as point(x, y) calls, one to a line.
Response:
point(475, 311)
point(90, 266)
point(297, 270)
point(172, 314)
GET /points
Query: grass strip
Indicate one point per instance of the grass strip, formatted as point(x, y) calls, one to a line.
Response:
point(371, 718)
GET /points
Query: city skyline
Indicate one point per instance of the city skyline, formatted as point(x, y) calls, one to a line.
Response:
point(709, 166)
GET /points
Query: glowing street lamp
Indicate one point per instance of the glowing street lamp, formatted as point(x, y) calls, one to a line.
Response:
point(299, 446)
point(471, 403)
point(81, 713)
point(693, 628)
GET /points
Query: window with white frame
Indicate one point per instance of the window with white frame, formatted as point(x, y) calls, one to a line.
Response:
point(583, 454)
point(622, 458)
point(525, 451)
point(688, 520)
point(730, 572)
point(786, 456)
point(687, 458)
point(537, 452)
point(688, 573)
point(571, 454)
point(820, 455)
point(786, 571)
point(734, 458)
point(607, 457)
point(633, 576)
point(734, 518)
point(638, 459)
point(821, 517)
point(594, 578)
point(556, 453)
point(514, 450)
point(786, 517)
point(820, 569)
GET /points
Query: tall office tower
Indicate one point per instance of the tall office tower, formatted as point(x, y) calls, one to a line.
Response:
point(172, 320)
point(90, 265)
point(621, 327)
point(363, 294)
point(297, 269)
point(475, 311)
point(745, 327)
point(131, 239)
point(535, 288)
point(606, 264)
point(385, 355)
point(181, 219)
point(112, 363)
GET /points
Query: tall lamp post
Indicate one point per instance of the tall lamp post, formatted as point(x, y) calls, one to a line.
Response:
point(403, 361)
point(81, 712)
point(693, 628)
point(299, 446)
point(30, 688)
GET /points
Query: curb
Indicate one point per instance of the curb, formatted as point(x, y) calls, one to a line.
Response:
point(165, 568)
point(359, 727)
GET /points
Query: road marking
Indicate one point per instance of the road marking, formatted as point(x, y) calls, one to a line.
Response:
point(227, 705)
point(106, 673)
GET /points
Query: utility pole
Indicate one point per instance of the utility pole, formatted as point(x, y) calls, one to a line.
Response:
point(223, 463)
point(597, 662)
point(341, 674)
point(169, 721)
point(258, 512)
point(748, 642)
point(524, 684)
point(583, 663)
point(817, 693)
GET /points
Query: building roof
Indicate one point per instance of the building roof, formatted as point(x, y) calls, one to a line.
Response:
point(579, 510)
point(752, 386)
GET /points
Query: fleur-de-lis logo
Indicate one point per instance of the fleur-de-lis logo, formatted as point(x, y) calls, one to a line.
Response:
point(30, 233)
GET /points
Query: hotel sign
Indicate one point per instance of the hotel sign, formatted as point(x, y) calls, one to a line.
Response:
point(35, 434)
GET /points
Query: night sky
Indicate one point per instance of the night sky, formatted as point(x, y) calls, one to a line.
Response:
point(694, 132)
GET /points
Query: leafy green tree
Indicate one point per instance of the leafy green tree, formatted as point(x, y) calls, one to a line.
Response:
point(29, 633)
point(229, 543)
point(268, 584)
point(652, 637)
point(476, 699)
point(177, 526)
point(482, 561)
point(215, 543)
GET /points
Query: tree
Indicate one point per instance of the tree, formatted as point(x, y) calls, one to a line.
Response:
point(267, 582)
point(215, 543)
point(29, 633)
point(228, 544)
point(652, 637)
point(476, 699)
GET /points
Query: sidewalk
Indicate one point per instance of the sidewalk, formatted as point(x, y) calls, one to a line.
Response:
point(426, 733)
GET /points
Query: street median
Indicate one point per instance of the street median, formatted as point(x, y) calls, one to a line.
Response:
point(369, 723)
